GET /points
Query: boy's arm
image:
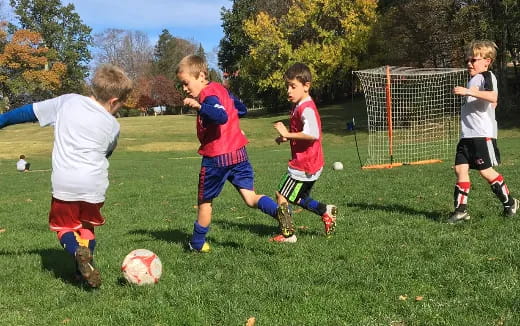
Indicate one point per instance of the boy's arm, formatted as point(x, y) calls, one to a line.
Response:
point(310, 131)
point(489, 96)
point(481, 87)
point(211, 110)
point(19, 115)
point(241, 107)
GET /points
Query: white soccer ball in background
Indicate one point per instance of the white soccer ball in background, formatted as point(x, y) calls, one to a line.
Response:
point(142, 266)
point(337, 166)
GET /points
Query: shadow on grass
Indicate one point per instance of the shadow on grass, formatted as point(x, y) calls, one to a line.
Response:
point(56, 261)
point(266, 230)
point(435, 216)
point(170, 236)
point(178, 237)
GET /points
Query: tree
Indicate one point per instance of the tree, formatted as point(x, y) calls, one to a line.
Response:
point(169, 51)
point(61, 30)
point(130, 50)
point(327, 35)
point(28, 70)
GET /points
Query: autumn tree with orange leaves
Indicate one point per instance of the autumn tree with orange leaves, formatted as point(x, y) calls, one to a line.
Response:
point(28, 71)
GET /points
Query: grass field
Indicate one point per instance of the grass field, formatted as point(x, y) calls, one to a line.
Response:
point(393, 261)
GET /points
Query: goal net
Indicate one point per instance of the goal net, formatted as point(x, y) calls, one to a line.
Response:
point(413, 115)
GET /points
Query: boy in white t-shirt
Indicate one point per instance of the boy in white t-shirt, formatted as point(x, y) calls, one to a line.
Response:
point(85, 135)
point(22, 165)
point(477, 148)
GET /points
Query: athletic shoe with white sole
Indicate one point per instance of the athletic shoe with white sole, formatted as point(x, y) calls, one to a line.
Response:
point(285, 221)
point(205, 248)
point(457, 216)
point(88, 272)
point(329, 219)
point(510, 211)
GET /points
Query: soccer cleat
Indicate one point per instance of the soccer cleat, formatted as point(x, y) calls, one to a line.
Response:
point(205, 248)
point(88, 272)
point(457, 216)
point(282, 238)
point(511, 210)
point(329, 219)
point(285, 222)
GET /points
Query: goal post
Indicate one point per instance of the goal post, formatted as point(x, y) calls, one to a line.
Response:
point(413, 115)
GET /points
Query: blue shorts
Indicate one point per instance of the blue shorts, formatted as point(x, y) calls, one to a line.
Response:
point(212, 179)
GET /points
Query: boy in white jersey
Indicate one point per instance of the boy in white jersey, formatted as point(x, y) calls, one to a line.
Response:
point(477, 148)
point(85, 135)
point(307, 160)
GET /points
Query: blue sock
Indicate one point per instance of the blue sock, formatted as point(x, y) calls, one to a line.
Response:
point(69, 242)
point(313, 206)
point(268, 206)
point(199, 236)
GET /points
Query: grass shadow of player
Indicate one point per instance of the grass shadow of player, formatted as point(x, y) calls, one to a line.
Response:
point(435, 216)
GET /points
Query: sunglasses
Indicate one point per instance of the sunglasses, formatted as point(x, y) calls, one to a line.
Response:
point(473, 60)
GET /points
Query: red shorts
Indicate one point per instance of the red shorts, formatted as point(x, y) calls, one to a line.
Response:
point(73, 215)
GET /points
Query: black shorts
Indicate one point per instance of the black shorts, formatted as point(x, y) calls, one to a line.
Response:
point(293, 189)
point(480, 153)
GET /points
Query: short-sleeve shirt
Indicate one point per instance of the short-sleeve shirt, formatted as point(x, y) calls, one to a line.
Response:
point(21, 165)
point(477, 115)
point(84, 134)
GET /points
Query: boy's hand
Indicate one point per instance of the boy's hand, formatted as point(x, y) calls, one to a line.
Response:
point(192, 103)
point(282, 130)
point(459, 90)
point(280, 140)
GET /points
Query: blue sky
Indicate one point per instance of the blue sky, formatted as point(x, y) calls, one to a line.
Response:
point(196, 20)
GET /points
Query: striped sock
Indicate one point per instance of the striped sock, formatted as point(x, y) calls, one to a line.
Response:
point(460, 196)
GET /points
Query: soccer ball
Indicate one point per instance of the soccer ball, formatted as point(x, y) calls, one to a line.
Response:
point(337, 166)
point(142, 266)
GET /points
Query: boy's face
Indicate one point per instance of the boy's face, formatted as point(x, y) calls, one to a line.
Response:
point(192, 85)
point(477, 64)
point(296, 91)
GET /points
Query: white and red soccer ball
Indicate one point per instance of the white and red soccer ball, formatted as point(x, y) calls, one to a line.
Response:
point(142, 266)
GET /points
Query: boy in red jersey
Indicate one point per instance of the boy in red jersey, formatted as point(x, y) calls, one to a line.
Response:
point(222, 146)
point(307, 161)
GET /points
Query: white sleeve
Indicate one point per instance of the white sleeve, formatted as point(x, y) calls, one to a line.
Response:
point(310, 124)
point(47, 111)
point(476, 81)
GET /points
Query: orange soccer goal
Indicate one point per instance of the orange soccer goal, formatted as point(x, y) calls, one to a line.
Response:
point(413, 115)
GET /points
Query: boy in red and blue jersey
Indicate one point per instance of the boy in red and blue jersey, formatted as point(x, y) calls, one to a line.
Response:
point(222, 146)
point(307, 159)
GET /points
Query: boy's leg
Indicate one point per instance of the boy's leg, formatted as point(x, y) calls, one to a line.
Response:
point(460, 194)
point(201, 228)
point(75, 237)
point(463, 156)
point(211, 183)
point(84, 256)
point(327, 213)
point(500, 189)
point(242, 177)
point(285, 221)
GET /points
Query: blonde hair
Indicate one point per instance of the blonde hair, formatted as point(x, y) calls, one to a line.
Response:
point(483, 48)
point(110, 82)
point(193, 65)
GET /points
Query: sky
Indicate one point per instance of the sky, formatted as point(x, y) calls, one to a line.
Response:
point(198, 21)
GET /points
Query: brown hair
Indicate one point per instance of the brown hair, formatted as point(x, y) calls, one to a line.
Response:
point(110, 82)
point(193, 65)
point(300, 72)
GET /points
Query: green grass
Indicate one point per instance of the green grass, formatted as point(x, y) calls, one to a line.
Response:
point(392, 244)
